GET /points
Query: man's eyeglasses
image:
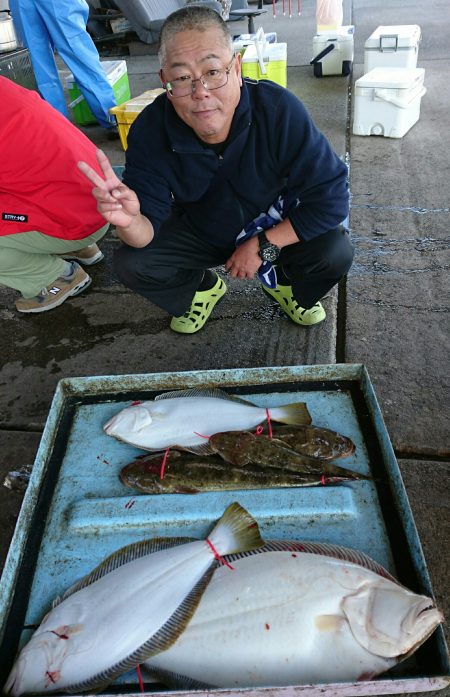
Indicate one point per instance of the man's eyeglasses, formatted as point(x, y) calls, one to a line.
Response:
point(211, 80)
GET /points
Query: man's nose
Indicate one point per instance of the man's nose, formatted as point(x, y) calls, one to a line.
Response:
point(198, 88)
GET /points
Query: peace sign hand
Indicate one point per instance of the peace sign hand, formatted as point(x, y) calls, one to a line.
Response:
point(118, 204)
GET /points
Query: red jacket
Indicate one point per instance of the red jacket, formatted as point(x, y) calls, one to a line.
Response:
point(41, 187)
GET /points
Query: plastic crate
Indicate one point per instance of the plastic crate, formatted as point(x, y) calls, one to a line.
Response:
point(16, 65)
point(126, 113)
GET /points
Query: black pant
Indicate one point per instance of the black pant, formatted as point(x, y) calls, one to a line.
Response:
point(169, 270)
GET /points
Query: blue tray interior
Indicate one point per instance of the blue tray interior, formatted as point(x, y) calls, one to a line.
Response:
point(89, 513)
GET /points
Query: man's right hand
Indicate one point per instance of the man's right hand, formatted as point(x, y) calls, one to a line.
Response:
point(118, 204)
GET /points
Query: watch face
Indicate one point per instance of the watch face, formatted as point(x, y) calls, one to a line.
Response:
point(269, 252)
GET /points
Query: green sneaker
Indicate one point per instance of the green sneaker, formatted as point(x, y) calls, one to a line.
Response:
point(202, 305)
point(299, 315)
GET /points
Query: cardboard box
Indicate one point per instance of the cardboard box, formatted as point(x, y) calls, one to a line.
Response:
point(387, 101)
point(272, 67)
point(116, 73)
point(394, 46)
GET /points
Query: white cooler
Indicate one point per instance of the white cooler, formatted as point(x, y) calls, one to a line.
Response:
point(387, 101)
point(333, 52)
point(394, 46)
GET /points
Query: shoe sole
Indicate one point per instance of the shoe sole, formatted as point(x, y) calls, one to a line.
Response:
point(76, 290)
point(191, 328)
point(86, 262)
point(285, 307)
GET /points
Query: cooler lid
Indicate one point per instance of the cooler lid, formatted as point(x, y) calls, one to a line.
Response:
point(113, 71)
point(392, 36)
point(395, 78)
point(271, 52)
point(338, 34)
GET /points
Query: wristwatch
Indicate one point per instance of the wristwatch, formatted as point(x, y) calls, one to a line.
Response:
point(267, 250)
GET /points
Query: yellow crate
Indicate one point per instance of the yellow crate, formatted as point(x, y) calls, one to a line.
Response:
point(126, 113)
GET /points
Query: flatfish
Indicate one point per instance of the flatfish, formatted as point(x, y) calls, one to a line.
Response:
point(297, 613)
point(133, 605)
point(185, 419)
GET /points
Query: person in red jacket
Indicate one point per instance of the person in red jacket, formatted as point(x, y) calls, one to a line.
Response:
point(48, 217)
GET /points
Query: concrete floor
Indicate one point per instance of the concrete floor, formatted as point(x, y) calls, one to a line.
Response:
point(390, 314)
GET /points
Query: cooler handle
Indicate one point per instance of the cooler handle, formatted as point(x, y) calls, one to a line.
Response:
point(260, 41)
point(323, 53)
point(388, 48)
point(399, 102)
point(76, 101)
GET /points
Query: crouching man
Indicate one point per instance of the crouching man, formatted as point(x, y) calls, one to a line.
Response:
point(221, 170)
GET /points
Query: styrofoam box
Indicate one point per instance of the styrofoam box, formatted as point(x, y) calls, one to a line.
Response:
point(387, 101)
point(392, 46)
point(274, 62)
point(339, 60)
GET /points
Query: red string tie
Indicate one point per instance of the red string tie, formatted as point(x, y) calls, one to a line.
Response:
point(201, 436)
point(269, 423)
point(217, 555)
point(141, 683)
point(323, 480)
point(259, 430)
point(163, 463)
point(134, 404)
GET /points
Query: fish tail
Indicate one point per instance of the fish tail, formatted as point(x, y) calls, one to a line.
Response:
point(294, 414)
point(236, 531)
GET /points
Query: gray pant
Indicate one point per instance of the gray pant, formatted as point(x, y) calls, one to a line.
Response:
point(29, 261)
point(169, 270)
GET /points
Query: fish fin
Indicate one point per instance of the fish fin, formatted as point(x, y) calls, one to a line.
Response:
point(210, 392)
point(202, 449)
point(123, 556)
point(293, 414)
point(175, 680)
point(322, 548)
point(160, 641)
point(187, 490)
point(236, 531)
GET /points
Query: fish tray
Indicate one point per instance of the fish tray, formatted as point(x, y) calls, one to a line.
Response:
point(76, 511)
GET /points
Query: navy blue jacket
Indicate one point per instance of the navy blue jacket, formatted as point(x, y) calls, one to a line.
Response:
point(273, 146)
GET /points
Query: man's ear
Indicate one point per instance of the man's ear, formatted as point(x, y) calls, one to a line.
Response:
point(238, 67)
point(161, 77)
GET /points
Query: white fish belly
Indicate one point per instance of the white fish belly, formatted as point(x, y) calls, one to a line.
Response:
point(276, 620)
point(184, 421)
point(113, 617)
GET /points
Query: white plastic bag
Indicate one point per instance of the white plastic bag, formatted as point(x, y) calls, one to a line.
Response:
point(329, 14)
